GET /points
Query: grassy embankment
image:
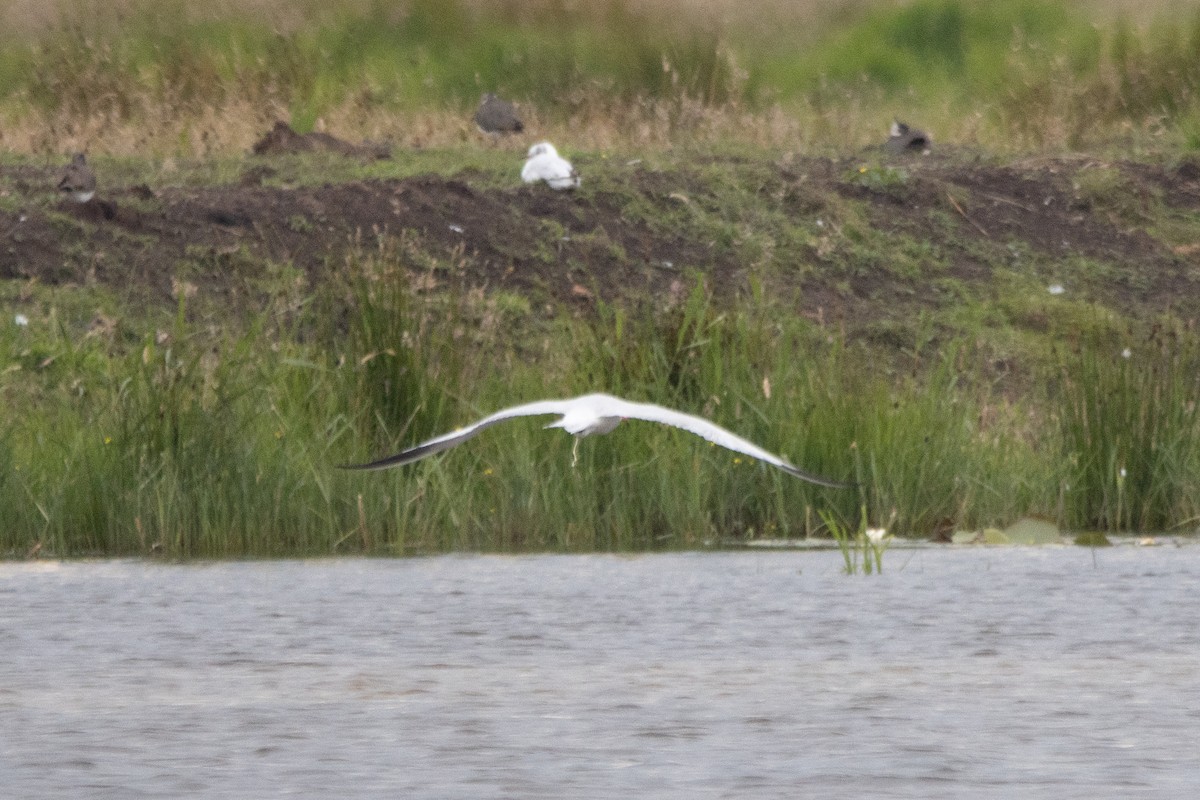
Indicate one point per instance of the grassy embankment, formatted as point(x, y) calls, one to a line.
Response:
point(189, 433)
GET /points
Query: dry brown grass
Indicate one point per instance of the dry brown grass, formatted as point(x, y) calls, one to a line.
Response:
point(600, 126)
point(1044, 115)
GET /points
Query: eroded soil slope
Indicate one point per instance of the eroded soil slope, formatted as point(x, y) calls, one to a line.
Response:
point(848, 239)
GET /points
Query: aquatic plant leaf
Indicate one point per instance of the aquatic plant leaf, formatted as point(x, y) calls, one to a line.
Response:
point(1033, 531)
point(995, 536)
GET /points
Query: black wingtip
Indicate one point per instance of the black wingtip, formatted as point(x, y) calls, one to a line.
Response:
point(399, 459)
point(391, 461)
point(819, 480)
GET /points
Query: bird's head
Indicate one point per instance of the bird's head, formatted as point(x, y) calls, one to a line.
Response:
point(542, 148)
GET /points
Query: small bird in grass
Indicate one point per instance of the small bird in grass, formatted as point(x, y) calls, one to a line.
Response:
point(496, 117)
point(599, 413)
point(903, 138)
point(545, 164)
point(78, 181)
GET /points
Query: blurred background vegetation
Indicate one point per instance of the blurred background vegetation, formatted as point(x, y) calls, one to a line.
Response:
point(168, 76)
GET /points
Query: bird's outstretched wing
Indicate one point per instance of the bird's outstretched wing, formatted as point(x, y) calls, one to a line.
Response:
point(609, 407)
point(719, 436)
point(453, 438)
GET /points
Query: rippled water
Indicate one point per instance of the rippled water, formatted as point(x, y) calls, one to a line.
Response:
point(957, 673)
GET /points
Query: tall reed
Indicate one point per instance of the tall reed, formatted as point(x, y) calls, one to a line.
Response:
point(192, 441)
point(1130, 432)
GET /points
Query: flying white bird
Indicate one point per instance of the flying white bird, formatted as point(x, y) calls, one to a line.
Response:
point(599, 413)
point(545, 164)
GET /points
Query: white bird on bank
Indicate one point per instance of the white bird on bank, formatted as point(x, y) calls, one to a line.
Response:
point(599, 413)
point(545, 164)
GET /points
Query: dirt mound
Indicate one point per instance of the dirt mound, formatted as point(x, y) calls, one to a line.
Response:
point(635, 239)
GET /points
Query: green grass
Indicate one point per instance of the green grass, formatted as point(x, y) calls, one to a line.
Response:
point(862, 548)
point(192, 442)
point(1130, 431)
point(214, 429)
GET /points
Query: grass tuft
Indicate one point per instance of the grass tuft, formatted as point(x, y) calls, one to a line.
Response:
point(1130, 432)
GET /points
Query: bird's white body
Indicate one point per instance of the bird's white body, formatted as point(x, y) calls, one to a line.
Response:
point(545, 164)
point(600, 413)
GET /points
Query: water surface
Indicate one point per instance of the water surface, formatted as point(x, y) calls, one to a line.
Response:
point(1013, 672)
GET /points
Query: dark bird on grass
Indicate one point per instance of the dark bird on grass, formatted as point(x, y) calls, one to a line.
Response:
point(78, 181)
point(496, 117)
point(600, 413)
point(903, 139)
